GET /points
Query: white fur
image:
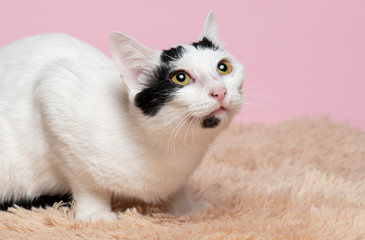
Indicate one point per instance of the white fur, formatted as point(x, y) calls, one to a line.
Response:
point(67, 124)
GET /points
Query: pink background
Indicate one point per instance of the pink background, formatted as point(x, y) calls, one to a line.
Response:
point(301, 57)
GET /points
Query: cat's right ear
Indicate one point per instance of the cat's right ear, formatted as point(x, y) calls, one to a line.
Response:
point(210, 30)
point(131, 58)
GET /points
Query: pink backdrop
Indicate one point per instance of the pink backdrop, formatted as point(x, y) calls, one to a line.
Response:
point(301, 57)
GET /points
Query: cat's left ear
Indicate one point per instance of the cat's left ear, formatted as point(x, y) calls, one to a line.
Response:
point(210, 30)
point(131, 58)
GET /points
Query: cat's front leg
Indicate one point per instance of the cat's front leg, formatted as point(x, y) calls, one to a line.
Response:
point(92, 204)
point(181, 204)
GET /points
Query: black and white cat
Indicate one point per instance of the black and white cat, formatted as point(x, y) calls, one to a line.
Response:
point(73, 121)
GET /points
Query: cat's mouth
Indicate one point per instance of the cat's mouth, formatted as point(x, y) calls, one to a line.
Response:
point(220, 110)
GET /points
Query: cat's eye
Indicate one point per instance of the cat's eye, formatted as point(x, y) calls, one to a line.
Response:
point(181, 78)
point(224, 67)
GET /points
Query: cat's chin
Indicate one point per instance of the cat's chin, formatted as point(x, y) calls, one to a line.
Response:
point(211, 122)
point(215, 118)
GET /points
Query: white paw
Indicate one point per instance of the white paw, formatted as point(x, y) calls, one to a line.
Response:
point(105, 216)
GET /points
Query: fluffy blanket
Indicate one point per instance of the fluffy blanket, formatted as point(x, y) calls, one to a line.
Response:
point(300, 179)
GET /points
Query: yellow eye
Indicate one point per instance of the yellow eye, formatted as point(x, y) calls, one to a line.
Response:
point(181, 78)
point(224, 67)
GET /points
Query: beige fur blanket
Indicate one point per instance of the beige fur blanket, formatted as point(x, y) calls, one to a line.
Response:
point(301, 179)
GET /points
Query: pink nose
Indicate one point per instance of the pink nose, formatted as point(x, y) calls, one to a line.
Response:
point(219, 94)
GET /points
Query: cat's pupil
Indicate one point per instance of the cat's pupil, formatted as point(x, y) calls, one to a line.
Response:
point(223, 67)
point(181, 77)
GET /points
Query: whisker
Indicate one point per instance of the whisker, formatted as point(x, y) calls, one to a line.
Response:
point(174, 134)
point(260, 106)
point(245, 87)
point(172, 121)
point(196, 130)
point(187, 130)
point(257, 96)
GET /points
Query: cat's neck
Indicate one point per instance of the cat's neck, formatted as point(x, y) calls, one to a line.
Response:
point(188, 137)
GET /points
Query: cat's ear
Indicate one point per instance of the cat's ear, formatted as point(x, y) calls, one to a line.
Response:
point(210, 30)
point(131, 58)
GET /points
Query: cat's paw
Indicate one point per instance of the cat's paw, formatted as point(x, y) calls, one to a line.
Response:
point(189, 209)
point(105, 216)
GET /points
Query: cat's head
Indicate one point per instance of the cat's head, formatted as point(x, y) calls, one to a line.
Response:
point(199, 82)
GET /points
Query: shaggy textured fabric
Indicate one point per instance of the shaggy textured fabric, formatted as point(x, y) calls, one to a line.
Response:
point(301, 179)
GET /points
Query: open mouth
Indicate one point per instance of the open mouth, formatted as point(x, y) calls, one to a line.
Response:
point(217, 112)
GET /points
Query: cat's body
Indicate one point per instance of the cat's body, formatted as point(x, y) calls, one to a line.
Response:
point(68, 125)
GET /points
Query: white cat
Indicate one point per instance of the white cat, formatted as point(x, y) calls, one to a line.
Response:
point(72, 121)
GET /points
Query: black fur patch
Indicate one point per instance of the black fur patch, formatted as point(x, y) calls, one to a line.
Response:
point(205, 43)
point(211, 122)
point(173, 54)
point(159, 88)
point(42, 201)
point(157, 91)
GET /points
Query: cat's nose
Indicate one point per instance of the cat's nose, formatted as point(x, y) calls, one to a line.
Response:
point(219, 94)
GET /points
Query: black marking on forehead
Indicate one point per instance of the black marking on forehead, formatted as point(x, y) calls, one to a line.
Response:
point(205, 43)
point(173, 54)
point(211, 122)
point(158, 90)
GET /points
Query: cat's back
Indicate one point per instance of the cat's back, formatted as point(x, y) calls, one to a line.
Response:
point(24, 65)
point(41, 49)
point(24, 62)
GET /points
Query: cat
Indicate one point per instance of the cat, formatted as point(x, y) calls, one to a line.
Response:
point(74, 121)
